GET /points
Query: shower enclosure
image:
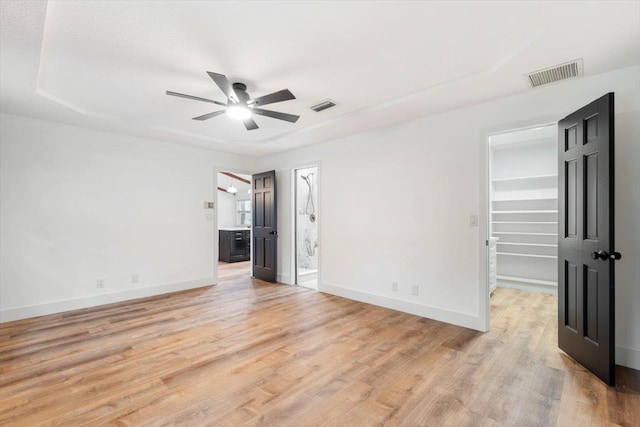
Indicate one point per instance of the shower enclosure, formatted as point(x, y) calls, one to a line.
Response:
point(306, 200)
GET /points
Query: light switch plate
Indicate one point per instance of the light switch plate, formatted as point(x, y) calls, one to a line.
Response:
point(473, 220)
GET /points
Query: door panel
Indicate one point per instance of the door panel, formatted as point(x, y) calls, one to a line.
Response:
point(591, 302)
point(571, 304)
point(591, 196)
point(571, 229)
point(264, 226)
point(585, 237)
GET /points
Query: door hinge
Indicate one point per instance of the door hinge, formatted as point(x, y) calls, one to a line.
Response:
point(486, 243)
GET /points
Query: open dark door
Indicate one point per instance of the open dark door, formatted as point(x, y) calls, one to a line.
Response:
point(586, 238)
point(265, 232)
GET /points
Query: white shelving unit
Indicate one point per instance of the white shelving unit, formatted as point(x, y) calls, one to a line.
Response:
point(524, 214)
point(527, 251)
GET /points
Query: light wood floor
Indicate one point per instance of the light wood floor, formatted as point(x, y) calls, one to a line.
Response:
point(233, 270)
point(247, 352)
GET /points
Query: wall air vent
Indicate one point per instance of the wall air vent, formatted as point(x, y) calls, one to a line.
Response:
point(323, 105)
point(556, 73)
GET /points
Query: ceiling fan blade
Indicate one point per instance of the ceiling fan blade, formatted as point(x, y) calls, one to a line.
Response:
point(210, 115)
point(250, 124)
point(279, 96)
point(276, 115)
point(224, 85)
point(197, 98)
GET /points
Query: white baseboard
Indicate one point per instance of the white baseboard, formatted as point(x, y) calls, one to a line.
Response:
point(284, 279)
point(442, 315)
point(10, 314)
point(628, 357)
point(526, 286)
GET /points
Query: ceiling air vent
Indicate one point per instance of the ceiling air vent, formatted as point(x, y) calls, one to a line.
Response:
point(556, 73)
point(323, 105)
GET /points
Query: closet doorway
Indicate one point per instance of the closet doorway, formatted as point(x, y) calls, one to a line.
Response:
point(306, 226)
point(523, 209)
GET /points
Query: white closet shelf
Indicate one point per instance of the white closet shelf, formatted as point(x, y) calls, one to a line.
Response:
point(526, 211)
point(548, 245)
point(525, 222)
point(524, 178)
point(527, 255)
point(525, 199)
point(511, 199)
point(525, 234)
point(525, 280)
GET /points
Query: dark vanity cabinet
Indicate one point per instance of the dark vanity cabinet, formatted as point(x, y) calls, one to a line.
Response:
point(234, 245)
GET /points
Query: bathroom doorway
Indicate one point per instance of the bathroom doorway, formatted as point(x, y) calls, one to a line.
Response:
point(234, 225)
point(306, 226)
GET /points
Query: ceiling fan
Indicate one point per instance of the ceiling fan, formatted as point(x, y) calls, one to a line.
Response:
point(239, 105)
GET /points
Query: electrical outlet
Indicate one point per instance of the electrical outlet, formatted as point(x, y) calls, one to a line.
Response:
point(100, 284)
point(394, 286)
point(415, 290)
point(134, 278)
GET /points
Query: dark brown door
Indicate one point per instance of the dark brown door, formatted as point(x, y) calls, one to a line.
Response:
point(586, 254)
point(265, 231)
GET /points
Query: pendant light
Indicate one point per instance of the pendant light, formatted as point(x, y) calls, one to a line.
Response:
point(232, 189)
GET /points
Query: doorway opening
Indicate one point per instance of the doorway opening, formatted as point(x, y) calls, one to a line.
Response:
point(234, 225)
point(523, 211)
point(306, 226)
point(531, 202)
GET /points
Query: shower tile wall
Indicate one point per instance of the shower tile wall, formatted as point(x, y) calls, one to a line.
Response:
point(307, 230)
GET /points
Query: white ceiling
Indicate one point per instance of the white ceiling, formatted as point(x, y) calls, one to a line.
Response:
point(107, 64)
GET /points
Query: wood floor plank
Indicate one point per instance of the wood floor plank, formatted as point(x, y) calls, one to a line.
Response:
point(246, 352)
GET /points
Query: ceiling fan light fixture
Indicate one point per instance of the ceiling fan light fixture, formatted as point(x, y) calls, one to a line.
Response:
point(240, 106)
point(238, 112)
point(232, 189)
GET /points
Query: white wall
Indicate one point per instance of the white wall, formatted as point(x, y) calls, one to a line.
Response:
point(415, 229)
point(79, 205)
point(226, 210)
point(534, 158)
